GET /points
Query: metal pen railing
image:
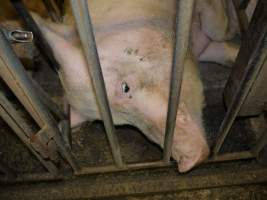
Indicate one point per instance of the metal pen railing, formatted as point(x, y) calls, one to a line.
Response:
point(13, 73)
point(85, 29)
point(184, 14)
point(252, 55)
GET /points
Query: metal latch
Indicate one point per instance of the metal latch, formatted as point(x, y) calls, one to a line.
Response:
point(18, 36)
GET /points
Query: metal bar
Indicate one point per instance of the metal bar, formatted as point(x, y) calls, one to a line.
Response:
point(133, 166)
point(53, 10)
point(138, 183)
point(113, 168)
point(47, 101)
point(183, 24)
point(9, 172)
point(13, 73)
point(85, 29)
point(19, 126)
point(232, 156)
point(243, 4)
point(66, 127)
point(242, 17)
point(39, 40)
point(252, 55)
point(260, 143)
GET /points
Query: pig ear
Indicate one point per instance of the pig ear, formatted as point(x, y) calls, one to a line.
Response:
point(67, 32)
point(59, 39)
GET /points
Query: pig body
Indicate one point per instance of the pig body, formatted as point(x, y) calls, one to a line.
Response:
point(135, 47)
point(214, 24)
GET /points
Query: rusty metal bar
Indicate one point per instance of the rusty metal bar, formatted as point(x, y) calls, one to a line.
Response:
point(33, 177)
point(13, 73)
point(39, 40)
point(243, 155)
point(138, 183)
point(19, 126)
point(183, 24)
point(85, 29)
point(252, 55)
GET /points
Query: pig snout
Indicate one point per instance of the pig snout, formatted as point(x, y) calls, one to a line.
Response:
point(190, 147)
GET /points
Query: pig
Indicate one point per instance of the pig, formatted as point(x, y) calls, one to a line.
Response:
point(214, 24)
point(136, 67)
point(135, 45)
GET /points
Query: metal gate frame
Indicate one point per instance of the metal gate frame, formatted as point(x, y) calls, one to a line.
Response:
point(12, 72)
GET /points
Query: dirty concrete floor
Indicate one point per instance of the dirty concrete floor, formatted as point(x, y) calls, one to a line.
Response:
point(254, 192)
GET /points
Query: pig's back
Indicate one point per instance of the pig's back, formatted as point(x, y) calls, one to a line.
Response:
point(111, 12)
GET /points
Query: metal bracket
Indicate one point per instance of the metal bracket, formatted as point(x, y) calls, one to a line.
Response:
point(18, 36)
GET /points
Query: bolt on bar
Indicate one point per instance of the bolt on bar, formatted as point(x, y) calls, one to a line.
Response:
point(256, 43)
point(183, 24)
point(83, 22)
point(13, 73)
point(40, 42)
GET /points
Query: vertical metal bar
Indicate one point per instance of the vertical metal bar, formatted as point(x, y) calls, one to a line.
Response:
point(256, 44)
point(242, 17)
point(47, 101)
point(53, 10)
point(261, 143)
point(65, 124)
point(13, 73)
point(183, 24)
point(85, 29)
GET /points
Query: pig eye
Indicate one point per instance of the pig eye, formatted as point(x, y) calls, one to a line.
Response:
point(125, 87)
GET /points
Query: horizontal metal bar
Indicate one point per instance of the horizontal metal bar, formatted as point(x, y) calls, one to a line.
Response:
point(113, 168)
point(85, 29)
point(256, 44)
point(232, 156)
point(133, 166)
point(183, 24)
point(139, 183)
point(17, 123)
point(14, 74)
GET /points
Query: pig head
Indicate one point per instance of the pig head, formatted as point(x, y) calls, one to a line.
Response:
point(135, 53)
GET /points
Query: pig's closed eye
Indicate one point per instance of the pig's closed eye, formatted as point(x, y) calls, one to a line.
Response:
point(125, 88)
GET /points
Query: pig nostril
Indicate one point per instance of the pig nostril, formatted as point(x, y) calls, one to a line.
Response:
point(125, 87)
